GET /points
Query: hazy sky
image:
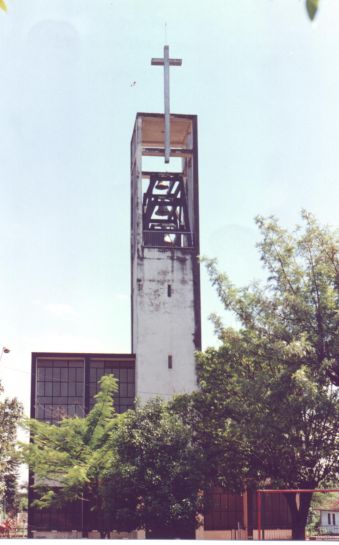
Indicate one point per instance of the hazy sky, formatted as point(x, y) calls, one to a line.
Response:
point(264, 83)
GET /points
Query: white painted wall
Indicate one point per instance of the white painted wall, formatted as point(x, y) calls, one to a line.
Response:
point(164, 325)
point(324, 520)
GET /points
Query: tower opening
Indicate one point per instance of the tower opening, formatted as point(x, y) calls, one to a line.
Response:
point(165, 212)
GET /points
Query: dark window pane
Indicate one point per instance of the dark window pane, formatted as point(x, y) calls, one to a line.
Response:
point(48, 374)
point(79, 389)
point(40, 388)
point(115, 372)
point(60, 400)
point(63, 389)
point(64, 375)
point(46, 400)
point(56, 373)
point(76, 363)
point(75, 400)
point(71, 375)
point(80, 375)
point(79, 410)
point(56, 388)
point(71, 388)
point(48, 411)
point(130, 375)
point(62, 363)
point(123, 389)
point(97, 363)
point(41, 373)
point(64, 409)
point(48, 388)
point(71, 410)
point(93, 388)
point(60, 412)
point(130, 390)
point(92, 375)
point(100, 373)
point(123, 375)
point(40, 412)
point(45, 363)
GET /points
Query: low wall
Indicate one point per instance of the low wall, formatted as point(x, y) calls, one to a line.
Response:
point(278, 534)
point(74, 534)
point(221, 534)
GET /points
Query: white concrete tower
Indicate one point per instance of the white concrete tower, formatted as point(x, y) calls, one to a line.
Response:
point(165, 289)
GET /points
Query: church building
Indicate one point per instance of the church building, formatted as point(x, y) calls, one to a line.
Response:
point(165, 312)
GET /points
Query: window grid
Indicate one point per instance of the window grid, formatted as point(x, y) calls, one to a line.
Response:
point(60, 389)
point(60, 392)
point(124, 373)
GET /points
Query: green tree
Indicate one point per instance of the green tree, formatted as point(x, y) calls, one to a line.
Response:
point(11, 497)
point(66, 459)
point(297, 309)
point(157, 471)
point(268, 396)
point(10, 413)
point(138, 470)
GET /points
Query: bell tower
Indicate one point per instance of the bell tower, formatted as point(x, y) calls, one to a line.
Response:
point(165, 277)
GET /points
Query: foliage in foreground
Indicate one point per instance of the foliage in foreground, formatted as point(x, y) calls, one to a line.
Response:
point(10, 413)
point(267, 409)
point(66, 458)
point(140, 469)
point(158, 471)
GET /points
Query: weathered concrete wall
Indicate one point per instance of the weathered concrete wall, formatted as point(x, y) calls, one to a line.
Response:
point(164, 325)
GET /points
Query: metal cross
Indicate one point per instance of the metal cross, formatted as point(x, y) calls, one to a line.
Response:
point(166, 62)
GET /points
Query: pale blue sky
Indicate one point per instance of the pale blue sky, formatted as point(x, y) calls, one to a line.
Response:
point(264, 83)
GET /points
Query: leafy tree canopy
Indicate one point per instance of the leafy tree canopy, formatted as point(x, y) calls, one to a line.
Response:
point(140, 469)
point(66, 458)
point(10, 413)
point(158, 472)
point(267, 408)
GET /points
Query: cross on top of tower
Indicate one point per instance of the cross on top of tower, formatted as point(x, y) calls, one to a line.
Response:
point(166, 62)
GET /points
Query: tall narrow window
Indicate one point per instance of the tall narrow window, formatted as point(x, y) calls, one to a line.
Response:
point(333, 519)
point(170, 361)
point(169, 290)
point(329, 518)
